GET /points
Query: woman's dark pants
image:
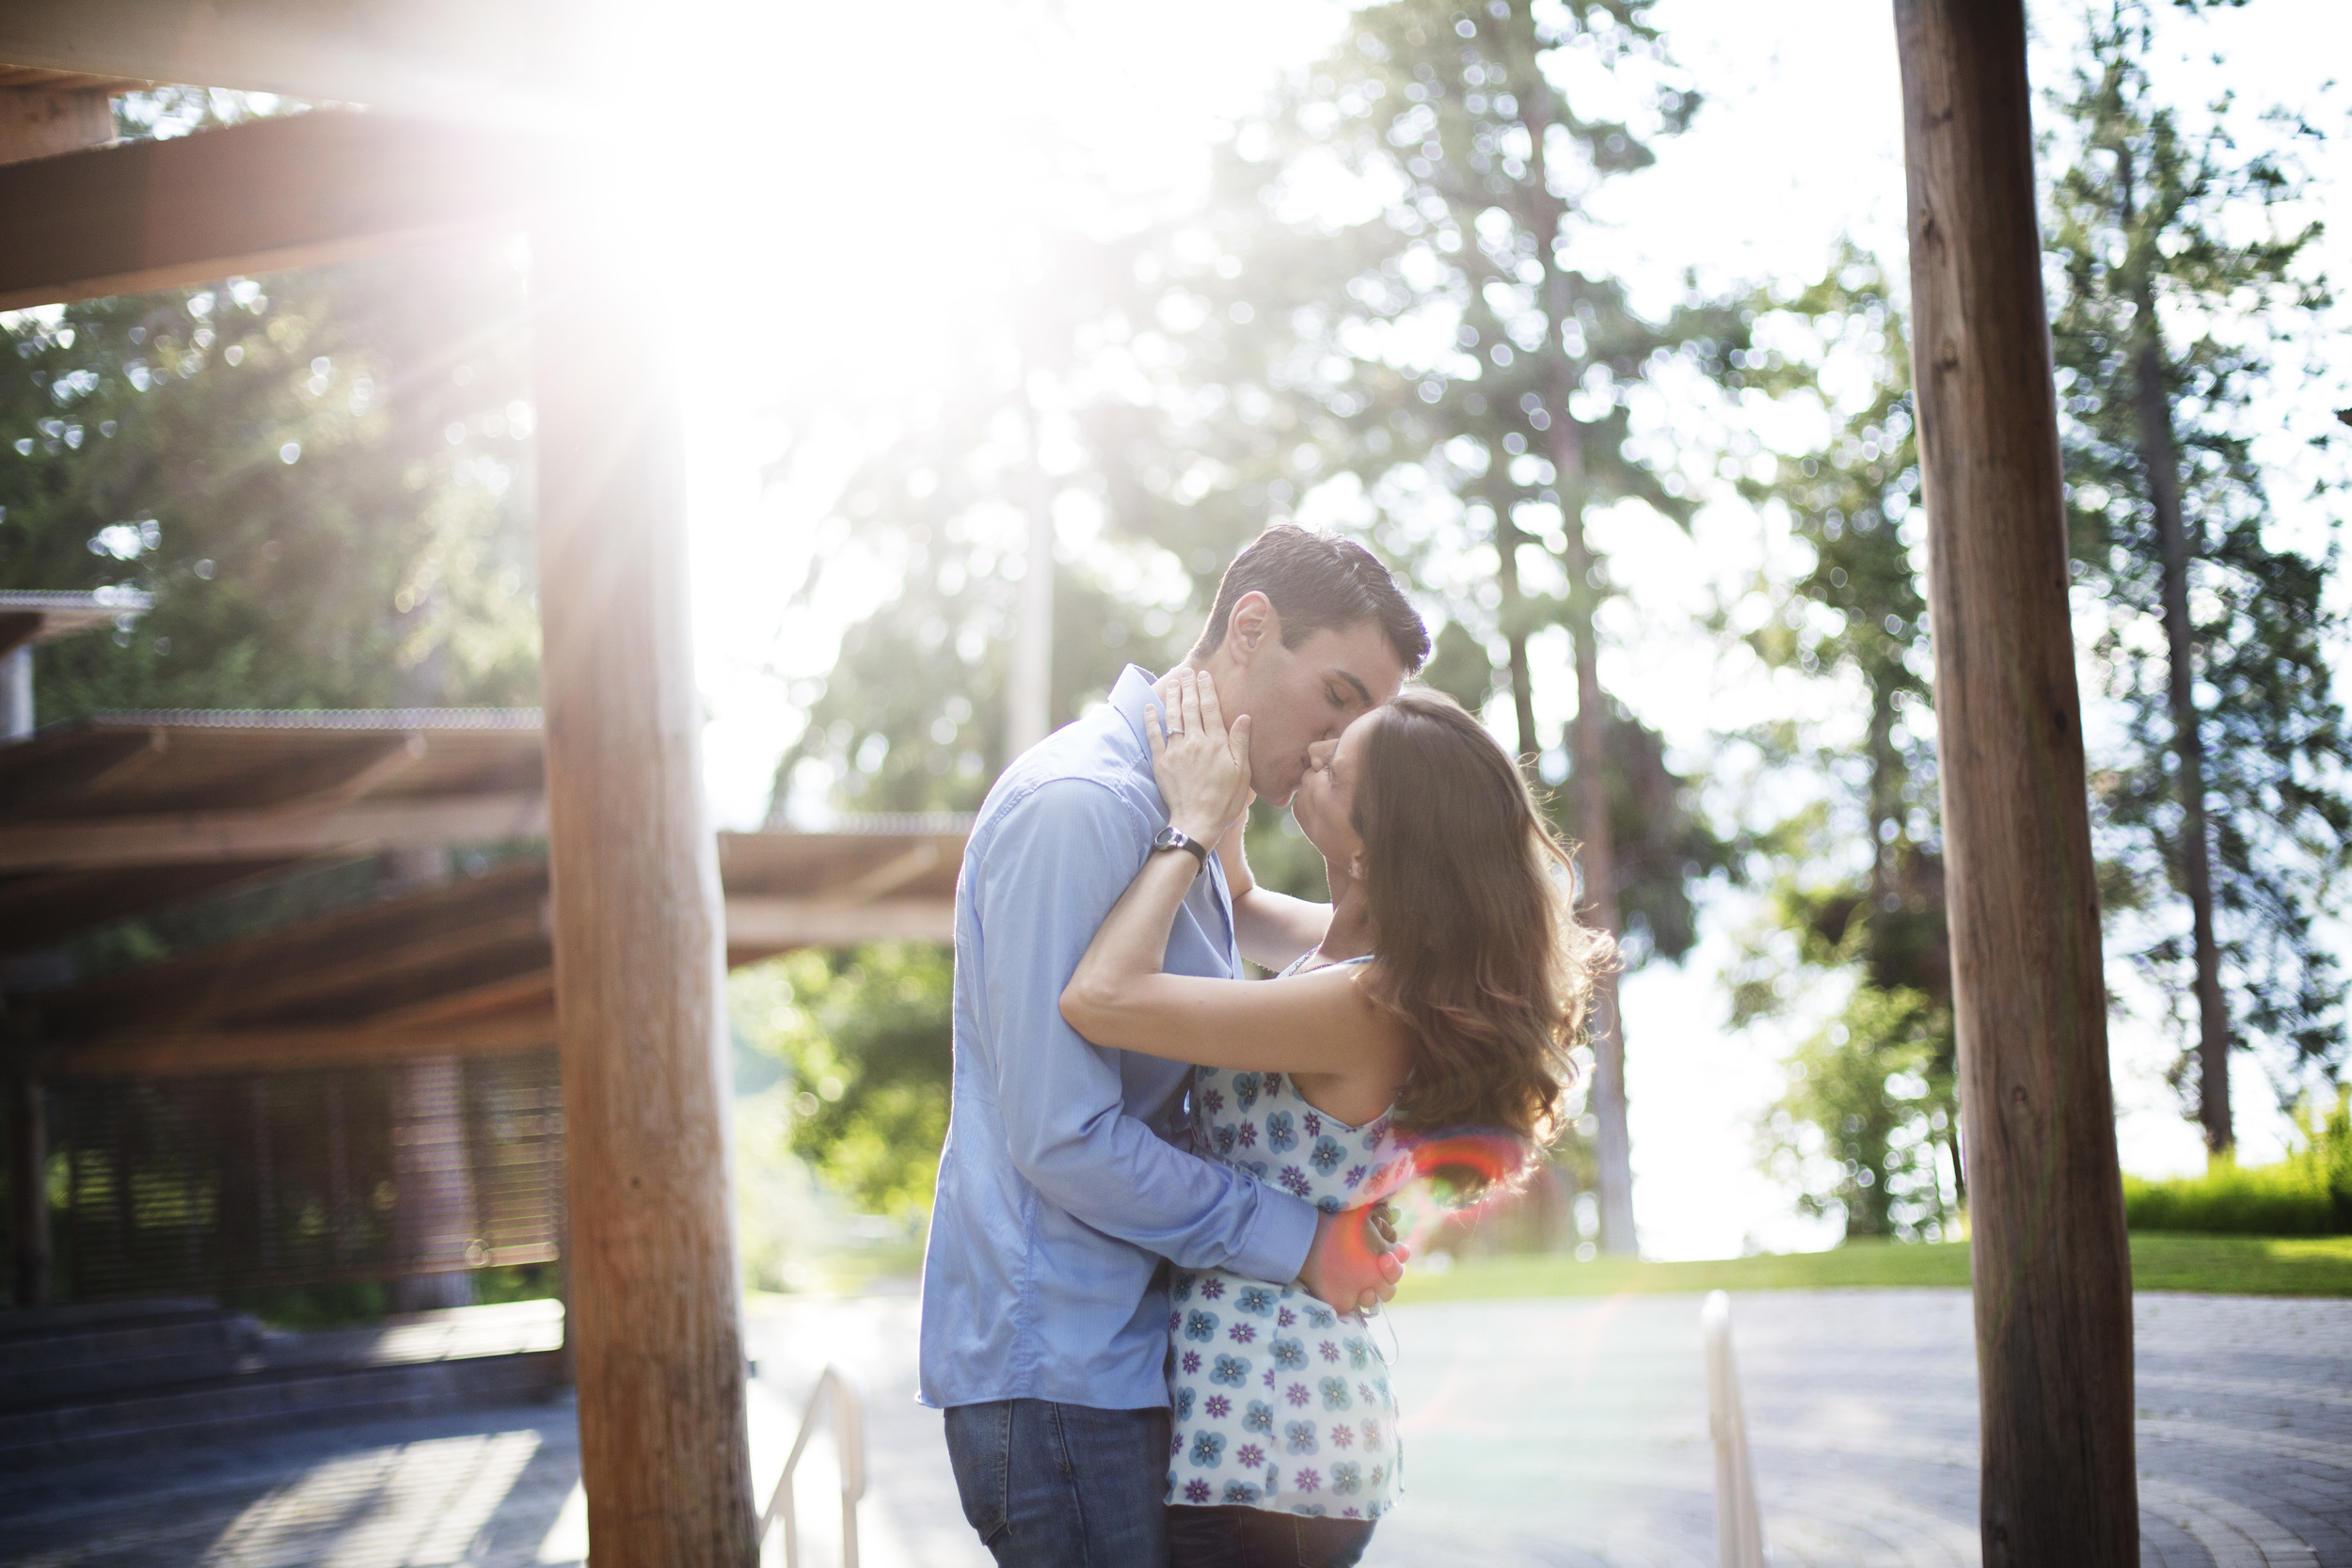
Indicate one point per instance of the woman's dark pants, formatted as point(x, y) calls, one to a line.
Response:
point(1258, 1537)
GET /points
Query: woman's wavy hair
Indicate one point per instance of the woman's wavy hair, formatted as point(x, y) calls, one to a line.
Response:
point(1470, 898)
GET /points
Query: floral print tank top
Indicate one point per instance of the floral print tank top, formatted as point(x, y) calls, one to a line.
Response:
point(1279, 1403)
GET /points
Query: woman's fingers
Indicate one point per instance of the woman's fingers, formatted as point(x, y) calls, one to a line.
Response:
point(1193, 724)
point(1151, 733)
point(1212, 715)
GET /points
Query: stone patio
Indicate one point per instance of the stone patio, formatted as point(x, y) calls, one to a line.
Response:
point(1554, 1432)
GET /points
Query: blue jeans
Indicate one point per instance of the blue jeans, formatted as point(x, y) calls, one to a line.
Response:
point(1221, 1537)
point(1052, 1485)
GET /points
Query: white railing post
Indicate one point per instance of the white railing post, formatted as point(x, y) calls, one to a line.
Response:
point(1739, 1531)
point(837, 1391)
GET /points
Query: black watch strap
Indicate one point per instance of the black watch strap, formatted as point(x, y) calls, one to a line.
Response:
point(1170, 838)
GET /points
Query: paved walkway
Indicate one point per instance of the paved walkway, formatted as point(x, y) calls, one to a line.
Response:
point(1536, 1434)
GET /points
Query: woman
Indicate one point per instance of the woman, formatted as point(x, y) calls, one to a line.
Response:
point(1440, 991)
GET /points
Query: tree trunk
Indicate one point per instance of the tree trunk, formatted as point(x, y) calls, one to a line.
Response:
point(1612, 1178)
point(1507, 540)
point(1588, 747)
point(655, 1314)
point(2051, 1271)
point(2162, 462)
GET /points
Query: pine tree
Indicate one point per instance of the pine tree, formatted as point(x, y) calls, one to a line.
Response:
point(1873, 1093)
point(2183, 269)
point(1454, 353)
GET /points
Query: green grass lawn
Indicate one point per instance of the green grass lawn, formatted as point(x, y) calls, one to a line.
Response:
point(2212, 1265)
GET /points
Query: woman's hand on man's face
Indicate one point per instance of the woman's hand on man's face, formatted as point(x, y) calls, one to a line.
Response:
point(1202, 765)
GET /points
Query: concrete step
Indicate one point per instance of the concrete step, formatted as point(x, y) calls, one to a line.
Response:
point(415, 1365)
point(51, 1355)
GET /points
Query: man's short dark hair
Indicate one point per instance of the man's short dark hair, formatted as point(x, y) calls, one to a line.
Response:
point(1316, 582)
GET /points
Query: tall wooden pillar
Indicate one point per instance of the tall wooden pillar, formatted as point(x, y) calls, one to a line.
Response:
point(2052, 1281)
point(655, 1315)
point(28, 1189)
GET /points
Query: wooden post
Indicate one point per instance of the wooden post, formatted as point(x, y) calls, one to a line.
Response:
point(654, 1316)
point(2052, 1275)
point(28, 1189)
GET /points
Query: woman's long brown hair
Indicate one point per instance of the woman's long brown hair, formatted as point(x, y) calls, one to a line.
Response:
point(1480, 952)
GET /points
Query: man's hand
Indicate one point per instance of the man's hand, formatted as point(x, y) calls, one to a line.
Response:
point(1354, 1264)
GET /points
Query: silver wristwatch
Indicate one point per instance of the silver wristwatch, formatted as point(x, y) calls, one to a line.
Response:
point(1168, 838)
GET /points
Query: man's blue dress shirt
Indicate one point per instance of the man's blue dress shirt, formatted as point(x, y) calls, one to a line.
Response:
point(1063, 1183)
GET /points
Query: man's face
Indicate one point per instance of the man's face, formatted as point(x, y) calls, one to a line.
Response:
point(1296, 697)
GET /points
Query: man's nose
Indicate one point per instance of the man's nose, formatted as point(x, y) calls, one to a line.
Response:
point(1319, 751)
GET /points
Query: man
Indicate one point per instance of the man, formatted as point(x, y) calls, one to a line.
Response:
point(1062, 1186)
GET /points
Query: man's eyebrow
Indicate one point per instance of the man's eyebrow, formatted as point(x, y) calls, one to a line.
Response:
point(1363, 692)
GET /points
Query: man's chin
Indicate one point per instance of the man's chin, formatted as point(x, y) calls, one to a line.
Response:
point(1276, 793)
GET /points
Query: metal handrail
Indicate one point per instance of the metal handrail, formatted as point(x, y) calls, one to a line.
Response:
point(838, 1391)
point(1739, 1531)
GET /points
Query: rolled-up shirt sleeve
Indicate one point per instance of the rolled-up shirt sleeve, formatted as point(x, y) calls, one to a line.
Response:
point(1057, 863)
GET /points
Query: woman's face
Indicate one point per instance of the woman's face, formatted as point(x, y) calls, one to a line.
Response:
point(1325, 802)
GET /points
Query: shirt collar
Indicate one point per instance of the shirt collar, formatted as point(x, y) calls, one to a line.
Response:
point(1128, 694)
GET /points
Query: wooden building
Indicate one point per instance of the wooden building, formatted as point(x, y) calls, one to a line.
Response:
point(636, 930)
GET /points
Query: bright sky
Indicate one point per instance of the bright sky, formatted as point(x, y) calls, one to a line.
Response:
point(871, 203)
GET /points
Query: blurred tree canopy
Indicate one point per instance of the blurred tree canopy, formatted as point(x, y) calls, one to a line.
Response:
point(1868, 1126)
point(2187, 271)
point(321, 476)
point(863, 1036)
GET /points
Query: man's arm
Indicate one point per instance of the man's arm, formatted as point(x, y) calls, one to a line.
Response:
point(1052, 868)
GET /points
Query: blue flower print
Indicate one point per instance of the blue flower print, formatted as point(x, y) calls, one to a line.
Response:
point(1233, 1370)
point(1183, 1404)
point(1347, 1480)
point(1328, 1351)
point(1196, 1490)
point(1245, 1089)
point(1256, 1300)
point(1377, 1134)
point(1249, 1136)
point(1379, 1474)
point(1240, 1334)
point(1357, 1355)
point(1212, 1287)
point(1354, 1176)
point(1335, 1394)
point(1372, 1440)
point(1327, 1154)
point(1273, 1477)
point(1295, 1181)
point(1208, 1450)
point(1306, 1479)
point(1278, 1135)
point(1299, 1437)
point(1320, 1316)
point(1285, 1317)
point(1313, 1123)
point(1240, 1494)
point(1225, 1140)
point(1191, 1362)
point(1183, 1288)
point(1211, 1101)
point(1328, 1205)
point(1290, 1354)
point(1258, 1418)
point(1199, 1325)
point(1255, 1168)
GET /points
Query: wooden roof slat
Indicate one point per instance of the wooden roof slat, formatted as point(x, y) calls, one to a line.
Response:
point(290, 191)
point(194, 837)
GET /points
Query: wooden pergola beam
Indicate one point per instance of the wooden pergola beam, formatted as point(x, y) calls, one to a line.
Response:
point(2046, 1205)
point(430, 55)
point(287, 192)
point(758, 923)
point(187, 838)
point(181, 1053)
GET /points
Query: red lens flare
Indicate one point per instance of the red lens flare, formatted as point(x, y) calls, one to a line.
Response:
point(1445, 1177)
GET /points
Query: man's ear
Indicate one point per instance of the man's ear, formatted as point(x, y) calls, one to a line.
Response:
point(1252, 626)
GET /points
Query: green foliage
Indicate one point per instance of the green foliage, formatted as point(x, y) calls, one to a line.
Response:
point(1870, 1108)
point(864, 1039)
point(2216, 1265)
point(1869, 1117)
point(2307, 1193)
point(2185, 273)
point(317, 475)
